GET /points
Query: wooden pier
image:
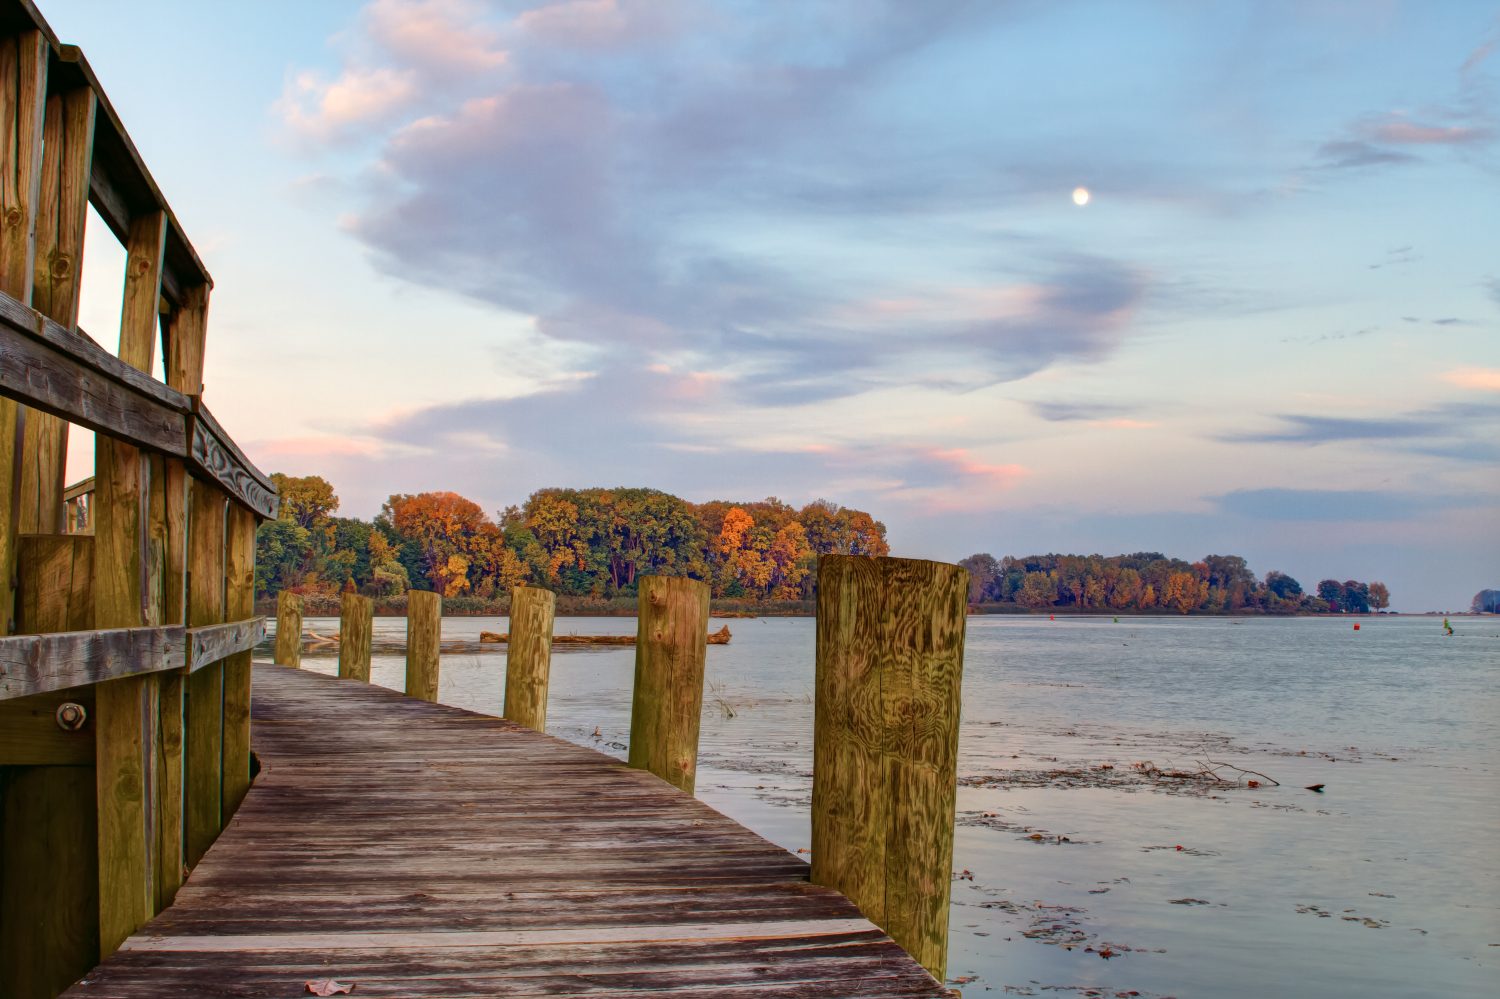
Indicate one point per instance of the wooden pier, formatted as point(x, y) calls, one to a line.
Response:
point(415, 849)
point(388, 842)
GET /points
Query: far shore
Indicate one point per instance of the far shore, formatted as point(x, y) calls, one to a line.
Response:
point(321, 605)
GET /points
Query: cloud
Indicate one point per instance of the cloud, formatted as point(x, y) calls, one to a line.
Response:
point(1482, 379)
point(1330, 504)
point(322, 109)
point(1492, 285)
point(1399, 130)
point(1346, 154)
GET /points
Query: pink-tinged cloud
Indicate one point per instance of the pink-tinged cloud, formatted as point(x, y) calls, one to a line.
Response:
point(1123, 423)
point(444, 38)
point(1482, 379)
point(966, 464)
point(321, 109)
point(1401, 131)
point(600, 23)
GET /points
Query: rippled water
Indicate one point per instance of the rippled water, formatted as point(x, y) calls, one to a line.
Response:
point(1387, 884)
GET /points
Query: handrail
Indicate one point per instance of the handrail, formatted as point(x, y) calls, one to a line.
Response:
point(40, 664)
point(52, 368)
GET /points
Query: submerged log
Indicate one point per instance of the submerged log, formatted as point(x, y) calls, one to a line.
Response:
point(720, 637)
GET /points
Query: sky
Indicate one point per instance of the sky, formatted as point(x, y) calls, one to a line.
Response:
point(831, 248)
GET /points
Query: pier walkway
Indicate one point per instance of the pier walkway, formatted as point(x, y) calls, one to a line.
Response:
point(415, 849)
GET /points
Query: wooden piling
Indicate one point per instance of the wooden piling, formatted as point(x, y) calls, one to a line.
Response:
point(890, 640)
point(528, 656)
point(289, 629)
point(424, 622)
point(356, 633)
point(670, 647)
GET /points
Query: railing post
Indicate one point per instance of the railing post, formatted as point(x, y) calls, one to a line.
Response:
point(289, 629)
point(528, 656)
point(203, 804)
point(239, 591)
point(890, 644)
point(356, 633)
point(424, 622)
point(671, 644)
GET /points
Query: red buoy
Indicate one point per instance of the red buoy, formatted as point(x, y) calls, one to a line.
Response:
point(1356, 625)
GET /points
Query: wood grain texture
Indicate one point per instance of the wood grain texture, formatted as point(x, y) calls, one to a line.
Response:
point(50, 368)
point(68, 139)
point(289, 629)
point(247, 631)
point(187, 330)
point(214, 454)
point(356, 635)
point(37, 664)
point(670, 650)
point(54, 583)
point(890, 639)
point(125, 712)
point(140, 309)
point(203, 725)
point(23, 95)
point(214, 643)
point(171, 779)
point(424, 622)
point(50, 873)
point(528, 656)
point(23, 92)
point(420, 851)
point(30, 735)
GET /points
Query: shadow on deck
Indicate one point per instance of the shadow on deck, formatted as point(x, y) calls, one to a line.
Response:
point(414, 849)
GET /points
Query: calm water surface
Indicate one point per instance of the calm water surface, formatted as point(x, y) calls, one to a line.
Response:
point(1385, 885)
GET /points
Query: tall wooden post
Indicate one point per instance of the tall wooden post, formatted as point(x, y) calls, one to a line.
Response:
point(23, 90)
point(204, 753)
point(890, 648)
point(671, 644)
point(184, 372)
point(289, 629)
point(67, 159)
point(424, 623)
point(356, 634)
point(239, 604)
point(528, 656)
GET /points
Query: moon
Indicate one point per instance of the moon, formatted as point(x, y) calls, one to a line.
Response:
point(1080, 196)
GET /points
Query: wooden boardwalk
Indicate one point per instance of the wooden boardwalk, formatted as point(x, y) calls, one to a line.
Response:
point(414, 849)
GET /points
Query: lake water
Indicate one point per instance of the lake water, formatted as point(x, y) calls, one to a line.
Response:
point(1386, 884)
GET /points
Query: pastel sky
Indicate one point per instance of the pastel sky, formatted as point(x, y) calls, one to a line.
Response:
point(829, 248)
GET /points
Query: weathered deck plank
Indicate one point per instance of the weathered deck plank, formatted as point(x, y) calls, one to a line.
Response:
point(415, 849)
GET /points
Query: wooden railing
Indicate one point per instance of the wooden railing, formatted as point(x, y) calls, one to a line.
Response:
point(125, 600)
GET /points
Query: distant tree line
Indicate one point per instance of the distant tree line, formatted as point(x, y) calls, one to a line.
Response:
point(1150, 581)
point(578, 542)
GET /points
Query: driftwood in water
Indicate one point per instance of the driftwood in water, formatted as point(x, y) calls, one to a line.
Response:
point(720, 637)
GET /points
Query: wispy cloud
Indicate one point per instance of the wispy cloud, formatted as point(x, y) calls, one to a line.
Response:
point(1337, 505)
point(1483, 379)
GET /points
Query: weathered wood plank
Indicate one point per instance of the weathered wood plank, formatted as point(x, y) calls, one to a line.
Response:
point(215, 454)
point(214, 643)
point(667, 703)
point(37, 664)
point(419, 850)
point(141, 305)
point(528, 657)
point(31, 736)
point(58, 371)
point(54, 583)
